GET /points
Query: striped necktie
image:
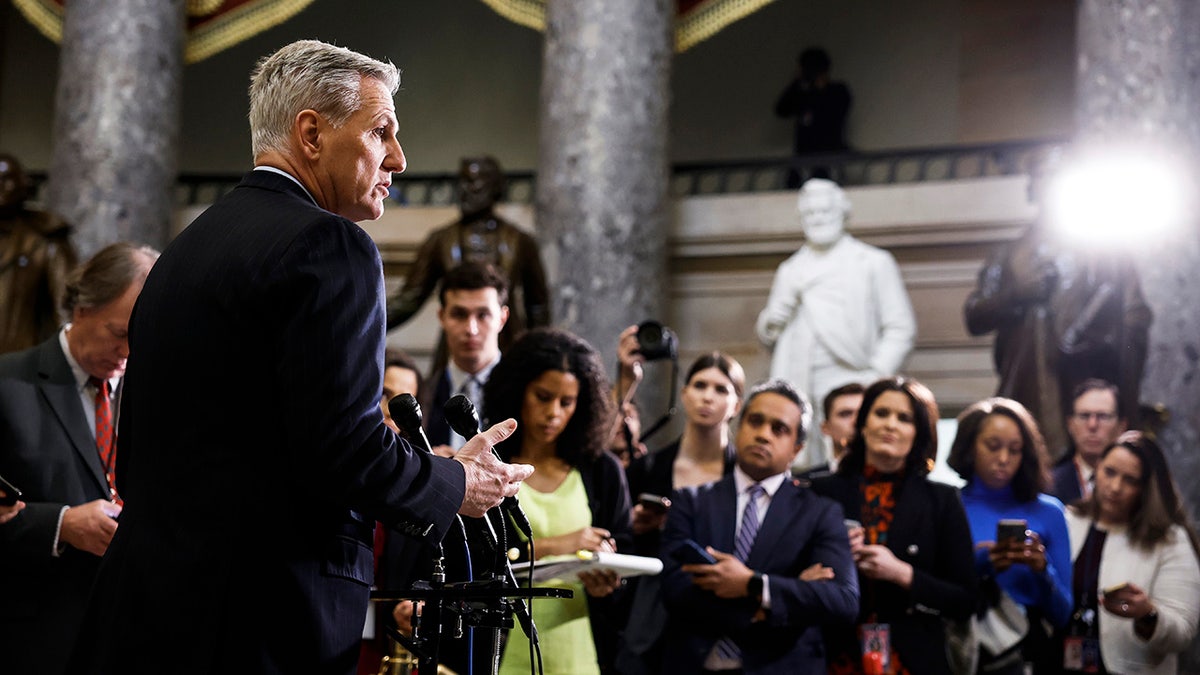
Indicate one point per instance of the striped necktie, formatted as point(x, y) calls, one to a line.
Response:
point(746, 533)
point(106, 435)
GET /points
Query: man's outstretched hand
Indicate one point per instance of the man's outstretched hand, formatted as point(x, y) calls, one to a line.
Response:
point(488, 479)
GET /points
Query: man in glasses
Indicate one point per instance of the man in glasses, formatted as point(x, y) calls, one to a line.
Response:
point(1094, 423)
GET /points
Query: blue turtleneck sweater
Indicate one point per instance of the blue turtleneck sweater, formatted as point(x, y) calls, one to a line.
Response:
point(1049, 591)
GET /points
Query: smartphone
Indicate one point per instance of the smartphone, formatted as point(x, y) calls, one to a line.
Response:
point(11, 493)
point(652, 502)
point(1012, 528)
point(691, 553)
point(1113, 589)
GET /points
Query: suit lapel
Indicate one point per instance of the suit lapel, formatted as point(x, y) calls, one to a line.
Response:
point(775, 527)
point(438, 429)
point(724, 514)
point(58, 388)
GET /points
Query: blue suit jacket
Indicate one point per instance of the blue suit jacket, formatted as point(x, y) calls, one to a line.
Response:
point(253, 457)
point(800, 529)
point(48, 451)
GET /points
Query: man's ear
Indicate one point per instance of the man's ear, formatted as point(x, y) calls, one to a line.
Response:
point(503, 316)
point(307, 127)
point(798, 449)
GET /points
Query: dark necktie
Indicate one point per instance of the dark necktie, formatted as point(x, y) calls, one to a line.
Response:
point(741, 550)
point(106, 435)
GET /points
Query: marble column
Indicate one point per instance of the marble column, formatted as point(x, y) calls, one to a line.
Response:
point(602, 208)
point(116, 120)
point(1139, 80)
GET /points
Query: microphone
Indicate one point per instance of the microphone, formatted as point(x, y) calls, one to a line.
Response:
point(464, 420)
point(407, 413)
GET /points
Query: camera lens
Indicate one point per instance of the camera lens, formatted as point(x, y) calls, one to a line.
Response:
point(655, 341)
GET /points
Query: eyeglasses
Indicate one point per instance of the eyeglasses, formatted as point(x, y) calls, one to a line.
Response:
point(1086, 417)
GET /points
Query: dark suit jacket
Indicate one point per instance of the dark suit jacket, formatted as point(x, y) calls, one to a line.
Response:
point(436, 426)
point(799, 529)
point(931, 533)
point(1066, 480)
point(253, 457)
point(48, 451)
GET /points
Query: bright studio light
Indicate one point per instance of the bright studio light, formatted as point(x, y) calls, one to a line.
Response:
point(1117, 200)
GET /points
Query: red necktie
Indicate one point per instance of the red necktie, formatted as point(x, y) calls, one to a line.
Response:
point(106, 435)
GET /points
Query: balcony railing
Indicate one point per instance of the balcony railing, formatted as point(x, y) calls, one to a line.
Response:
point(881, 167)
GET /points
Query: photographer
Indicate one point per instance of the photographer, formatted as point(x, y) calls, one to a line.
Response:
point(712, 394)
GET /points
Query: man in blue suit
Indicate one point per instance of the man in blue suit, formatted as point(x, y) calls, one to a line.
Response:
point(253, 458)
point(783, 564)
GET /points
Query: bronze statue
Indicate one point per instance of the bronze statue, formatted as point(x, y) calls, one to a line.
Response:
point(35, 257)
point(479, 235)
point(1060, 316)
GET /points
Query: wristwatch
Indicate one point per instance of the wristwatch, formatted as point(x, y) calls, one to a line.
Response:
point(754, 587)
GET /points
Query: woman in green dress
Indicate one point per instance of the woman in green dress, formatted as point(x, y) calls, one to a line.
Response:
point(552, 383)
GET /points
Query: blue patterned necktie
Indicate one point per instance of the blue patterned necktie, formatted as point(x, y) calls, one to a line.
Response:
point(741, 550)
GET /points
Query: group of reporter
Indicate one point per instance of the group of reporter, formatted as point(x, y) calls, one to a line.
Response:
point(1110, 583)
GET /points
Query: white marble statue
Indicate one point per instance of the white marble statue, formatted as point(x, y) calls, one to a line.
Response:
point(838, 311)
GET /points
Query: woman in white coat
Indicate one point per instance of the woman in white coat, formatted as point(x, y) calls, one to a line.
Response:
point(1137, 566)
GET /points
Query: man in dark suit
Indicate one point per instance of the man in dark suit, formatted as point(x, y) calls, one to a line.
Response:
point(760, 607)
point(1094, 423)
point(473, 312)
point(49, 448)
point(254, 459)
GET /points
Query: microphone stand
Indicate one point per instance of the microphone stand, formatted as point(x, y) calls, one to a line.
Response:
point(499, 593)
point(463, 418)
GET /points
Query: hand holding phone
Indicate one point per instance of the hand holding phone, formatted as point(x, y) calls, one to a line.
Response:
point(653, 502)
point(691, 553)
point(11, 493)
point(1012, 529)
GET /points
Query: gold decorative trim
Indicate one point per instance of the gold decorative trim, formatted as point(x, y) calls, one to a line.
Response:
point(46, 17)
point(528, 13)
point(709, 17)
point(697, 25)
point(237, 25)
point(203, 41)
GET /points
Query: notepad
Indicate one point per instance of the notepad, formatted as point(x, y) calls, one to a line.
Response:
point(566, 567)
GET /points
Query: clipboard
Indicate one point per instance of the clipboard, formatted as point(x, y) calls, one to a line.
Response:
point(566, 567)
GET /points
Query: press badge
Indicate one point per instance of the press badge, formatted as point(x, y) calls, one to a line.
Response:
point(876, 644)
point(1081, 654)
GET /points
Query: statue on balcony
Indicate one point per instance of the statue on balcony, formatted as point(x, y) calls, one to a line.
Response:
point(1061, 316)
point(35, 257)
point(479, 235)
point(838, 311)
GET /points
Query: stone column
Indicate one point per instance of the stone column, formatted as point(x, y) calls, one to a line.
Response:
point(116, 120)
point(1139, 80)
point(602, 209)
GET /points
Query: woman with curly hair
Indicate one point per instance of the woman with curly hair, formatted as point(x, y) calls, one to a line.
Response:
point(999, 451)
point(552, 383)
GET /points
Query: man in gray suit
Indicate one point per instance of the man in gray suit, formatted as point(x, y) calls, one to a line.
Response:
point(49, 449)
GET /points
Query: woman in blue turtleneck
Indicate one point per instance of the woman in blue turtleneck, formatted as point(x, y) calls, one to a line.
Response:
point(1001, 454)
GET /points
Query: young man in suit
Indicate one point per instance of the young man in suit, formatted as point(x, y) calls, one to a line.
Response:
point(57, 405)
point(254, 459)
point(473, 312)
point(783, 564)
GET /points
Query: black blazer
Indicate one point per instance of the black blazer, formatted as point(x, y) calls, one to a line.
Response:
point(931, 533)
point(800, 529)
point(253, 458)
point(48, 451)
